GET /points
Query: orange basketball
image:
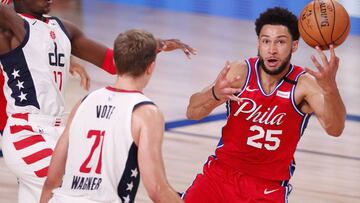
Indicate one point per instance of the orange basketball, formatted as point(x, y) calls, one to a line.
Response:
point(324, 22)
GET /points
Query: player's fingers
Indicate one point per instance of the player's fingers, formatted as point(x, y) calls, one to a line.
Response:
point(322, 56)
point(225, 70)
point(332, 51)
point(317, 64)
point(87, 84)
point(311, 72)
point(190, 49)
point(234, 98)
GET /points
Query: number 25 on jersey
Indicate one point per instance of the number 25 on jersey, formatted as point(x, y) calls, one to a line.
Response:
point(271, 142)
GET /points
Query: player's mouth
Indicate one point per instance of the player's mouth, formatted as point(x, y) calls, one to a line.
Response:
point(272, 62)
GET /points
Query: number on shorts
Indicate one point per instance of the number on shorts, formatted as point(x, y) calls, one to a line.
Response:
point(268, 138)
point(99, 136)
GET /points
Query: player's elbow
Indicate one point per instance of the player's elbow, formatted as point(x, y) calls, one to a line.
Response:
point(155, 193)
point(335, 131)
point(190, 115)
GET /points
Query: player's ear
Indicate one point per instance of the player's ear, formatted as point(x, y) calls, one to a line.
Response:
point(150, 68)
point(295, 45)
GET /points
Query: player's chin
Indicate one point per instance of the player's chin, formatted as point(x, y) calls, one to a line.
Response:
point(272, 67)
point(46, 10)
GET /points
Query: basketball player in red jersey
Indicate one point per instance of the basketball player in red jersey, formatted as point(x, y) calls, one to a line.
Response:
point(35, 57)
point(269, 101)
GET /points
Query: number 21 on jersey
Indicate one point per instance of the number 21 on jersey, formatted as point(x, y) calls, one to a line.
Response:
point(99, 140)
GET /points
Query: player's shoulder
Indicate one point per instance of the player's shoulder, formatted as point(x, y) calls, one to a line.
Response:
point(238, 64)
point(147, 117)
point(307, 85)
point(147, 109)
point(306, 79)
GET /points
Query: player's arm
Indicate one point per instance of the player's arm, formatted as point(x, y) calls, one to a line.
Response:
point(90, 50)
point(99, 55)
point(229, 81)
point(148, 128)
point(12, 22)
point(322, 93)
point(58, 160)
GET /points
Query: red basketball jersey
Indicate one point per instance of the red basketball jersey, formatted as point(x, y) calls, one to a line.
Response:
point(262, 131)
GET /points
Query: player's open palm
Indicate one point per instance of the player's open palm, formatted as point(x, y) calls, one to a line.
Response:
point(222, 88)
point(326, 74)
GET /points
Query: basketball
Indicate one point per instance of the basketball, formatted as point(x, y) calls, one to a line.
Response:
point(324, 22)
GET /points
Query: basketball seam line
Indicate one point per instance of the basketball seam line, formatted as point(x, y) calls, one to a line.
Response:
point(318, 24)
point(334, 22)
point(343, 32)
point(303, 28)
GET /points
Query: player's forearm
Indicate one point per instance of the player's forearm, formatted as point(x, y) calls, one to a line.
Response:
point(201, 104)
point(334, 113)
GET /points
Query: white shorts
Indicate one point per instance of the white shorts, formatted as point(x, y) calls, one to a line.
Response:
point(27, 144)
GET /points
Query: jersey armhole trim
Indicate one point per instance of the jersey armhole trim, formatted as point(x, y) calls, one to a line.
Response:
point(143, 103)
point(297, 109)
point(83, 99)
point(248, 74)
point(61, 24)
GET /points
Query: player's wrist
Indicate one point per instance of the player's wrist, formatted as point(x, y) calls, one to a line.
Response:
point(108, 64)
point(214, 94)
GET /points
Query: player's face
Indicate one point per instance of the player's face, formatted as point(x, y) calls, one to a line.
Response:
point(275, 46)
point(37, 6)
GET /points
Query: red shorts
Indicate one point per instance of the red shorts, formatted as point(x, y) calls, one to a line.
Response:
point(219, 183)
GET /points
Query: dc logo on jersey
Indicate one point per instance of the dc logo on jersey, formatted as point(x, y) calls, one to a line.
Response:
point(52, 35)
point(20, 80)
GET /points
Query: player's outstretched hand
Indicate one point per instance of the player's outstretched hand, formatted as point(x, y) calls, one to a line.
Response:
point(326, 74)
point(223, 89)
point(173, 44)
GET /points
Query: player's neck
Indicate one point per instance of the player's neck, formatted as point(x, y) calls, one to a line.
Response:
point(130, 83)
point(269, 82)
point(19, 8)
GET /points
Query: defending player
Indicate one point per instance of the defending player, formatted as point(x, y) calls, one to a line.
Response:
point(114, 135)
point(34, 56)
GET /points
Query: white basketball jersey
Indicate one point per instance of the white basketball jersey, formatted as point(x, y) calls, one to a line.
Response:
point(102, 156)
point(36, 71)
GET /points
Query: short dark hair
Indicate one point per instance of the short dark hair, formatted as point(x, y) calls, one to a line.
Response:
point(134, 50)
point(278, 16)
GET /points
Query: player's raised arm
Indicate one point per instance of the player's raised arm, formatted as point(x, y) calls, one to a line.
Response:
point(102, 56)
point(323, 94)
point(147, 129)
